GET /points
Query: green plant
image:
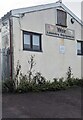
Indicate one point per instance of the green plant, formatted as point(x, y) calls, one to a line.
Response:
point(61, 80)
point(8, 86)
point(32, 64)
point(55, 80)
point(38, 82)
point(69, 73)
point(18, 68)
point(24, 86)
point(23, 77)
point(39, 79)
point(78, 82)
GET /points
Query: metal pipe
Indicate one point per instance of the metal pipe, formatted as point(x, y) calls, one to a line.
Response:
point(10, 30)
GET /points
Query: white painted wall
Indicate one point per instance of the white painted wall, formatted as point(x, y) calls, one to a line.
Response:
point(50, 62)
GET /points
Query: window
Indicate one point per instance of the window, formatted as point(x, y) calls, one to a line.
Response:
point(27, 41)
point(79, 47)
point(31, 41)
point(61, 18)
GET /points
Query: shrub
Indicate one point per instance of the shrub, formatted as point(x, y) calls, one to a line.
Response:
point(39, 79)
point(38, 82)
point(55, 80)
point(65, 85)
point(70, 81)
point(79, 82)
point(24, 86)
point(69, 73)
point(8, 86)
point(75, 82)
point(31, 63)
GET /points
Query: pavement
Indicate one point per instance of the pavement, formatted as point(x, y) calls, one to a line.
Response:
point(57, 104)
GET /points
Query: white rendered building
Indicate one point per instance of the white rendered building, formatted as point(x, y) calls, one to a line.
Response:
point(51, 32)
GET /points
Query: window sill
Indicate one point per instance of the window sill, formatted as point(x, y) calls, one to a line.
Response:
point(80, 54)
point(62, 25)
point(32, 50)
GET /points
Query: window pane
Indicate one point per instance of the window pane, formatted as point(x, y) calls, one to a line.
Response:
point(61, 17)
point(26, 41)
point(36, 42)
point(78, 47)
point(82, 47)
point(31, 41)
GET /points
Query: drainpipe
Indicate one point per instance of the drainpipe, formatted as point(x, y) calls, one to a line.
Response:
point(11, 51)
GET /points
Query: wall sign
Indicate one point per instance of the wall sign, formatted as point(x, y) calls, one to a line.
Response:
point(62, 49)
point(57, 31)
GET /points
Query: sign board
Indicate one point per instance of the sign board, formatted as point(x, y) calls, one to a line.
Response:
point(58, 31)
point(62, 49)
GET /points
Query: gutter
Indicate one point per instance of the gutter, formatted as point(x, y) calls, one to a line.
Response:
point(11, 51)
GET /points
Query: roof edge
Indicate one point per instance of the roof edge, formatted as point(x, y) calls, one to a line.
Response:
point(36, 8)
point(59, 3)
point(72, 14)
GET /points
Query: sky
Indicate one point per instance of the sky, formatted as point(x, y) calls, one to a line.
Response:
point(7, 5)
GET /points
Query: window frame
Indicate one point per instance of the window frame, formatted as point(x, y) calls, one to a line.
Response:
point(79, 41)
point(23, 41)
point(31, 41)
point(65, 18)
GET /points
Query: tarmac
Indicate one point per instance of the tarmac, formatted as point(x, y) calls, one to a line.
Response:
point(55, 104)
